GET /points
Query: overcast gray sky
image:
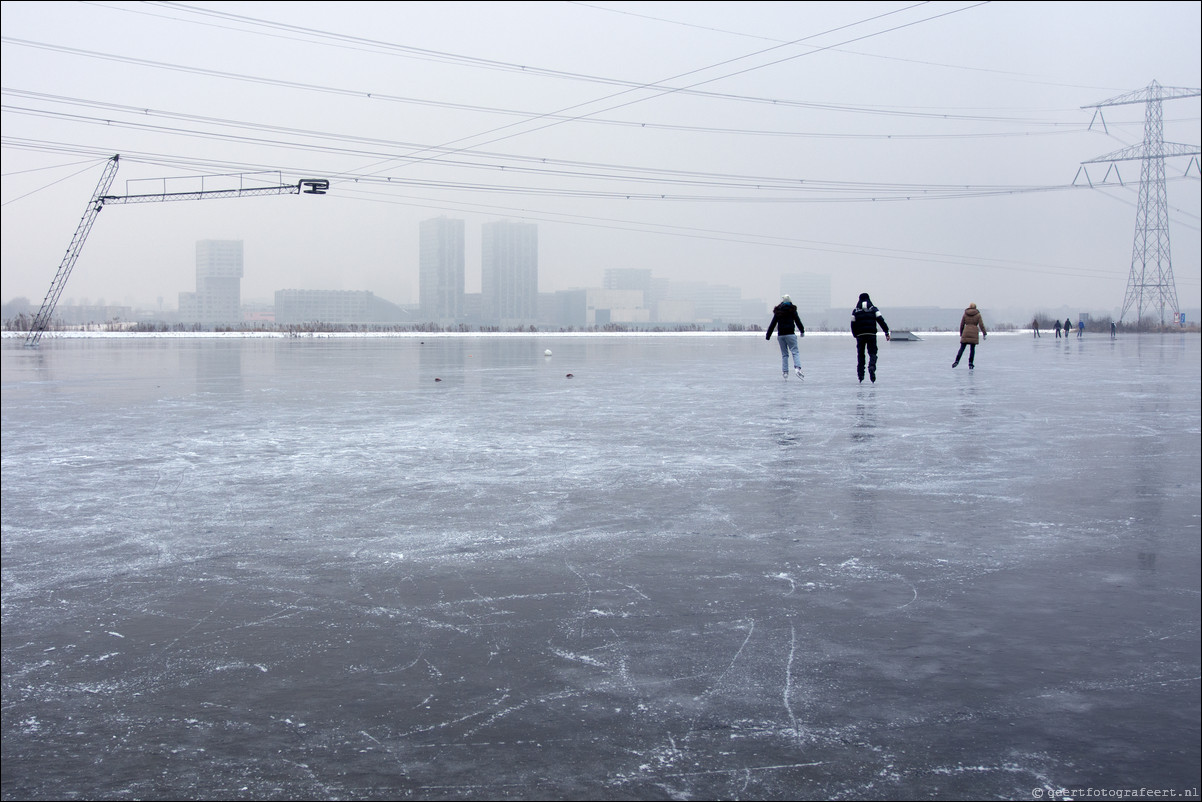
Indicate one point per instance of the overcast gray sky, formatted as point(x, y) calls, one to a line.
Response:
point(924, 152)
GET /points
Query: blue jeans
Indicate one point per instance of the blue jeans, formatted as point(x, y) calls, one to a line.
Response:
point(788, 345)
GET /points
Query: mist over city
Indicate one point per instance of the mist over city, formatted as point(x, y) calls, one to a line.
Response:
point(933, 154)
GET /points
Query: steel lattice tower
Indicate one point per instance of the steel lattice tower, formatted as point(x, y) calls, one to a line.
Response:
point(1150, 286)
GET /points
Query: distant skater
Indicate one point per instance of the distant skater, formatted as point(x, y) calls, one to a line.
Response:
point(972, 329)
point(788, 329)
point(1057, 329)
point(1068, 328)
point(865, 319)
point(1113, 330)
point(1035, 327)
point(1080, 328)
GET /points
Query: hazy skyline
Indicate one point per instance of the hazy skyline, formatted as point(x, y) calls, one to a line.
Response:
point(924, 152)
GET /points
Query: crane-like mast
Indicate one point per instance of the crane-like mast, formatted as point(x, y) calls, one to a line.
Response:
point(42, 320)
point(312, 186)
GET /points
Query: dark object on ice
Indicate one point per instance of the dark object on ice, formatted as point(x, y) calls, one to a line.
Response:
point(972, 331)
point(865, 319)
point(904, 336)
point(568, 376)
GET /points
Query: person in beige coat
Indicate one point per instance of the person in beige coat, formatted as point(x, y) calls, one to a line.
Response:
point(972, 329)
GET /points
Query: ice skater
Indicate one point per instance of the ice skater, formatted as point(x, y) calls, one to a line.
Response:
point(1068, 328)
point(972, 329)
point(1057, 329)
point(1080, 329)
point(864, 321)
point(788, 328)
point(1035, 326)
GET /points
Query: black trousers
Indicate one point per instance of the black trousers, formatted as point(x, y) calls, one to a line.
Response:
point(972, 352)
point(865, 342)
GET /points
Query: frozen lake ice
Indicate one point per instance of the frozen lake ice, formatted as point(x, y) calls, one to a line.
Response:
point(438, 567)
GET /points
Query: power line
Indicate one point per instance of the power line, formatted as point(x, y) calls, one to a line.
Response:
point(557, 168)
point(367, 94)
point(769, 189)
point(1056, 128)
point(617, 224)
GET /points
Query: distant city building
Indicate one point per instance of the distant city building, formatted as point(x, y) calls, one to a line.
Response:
point(661, 290)
point(441, 270)
point(509, 273)
point(756, 310)
point(258, 312)
point(629, 278)
point(76, 314)
point(586, 308)
point(670, 311)
point(712, 303)
point(218, 296)
point(720, 303)
point(334, 307)
point(810, 292)
point(473, 306)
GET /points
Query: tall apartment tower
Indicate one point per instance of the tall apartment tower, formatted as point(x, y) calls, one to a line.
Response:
point(441, 270)
point(218, 296)
point(509, 273)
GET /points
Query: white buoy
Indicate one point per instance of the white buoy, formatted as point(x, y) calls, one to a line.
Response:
point(547, 352)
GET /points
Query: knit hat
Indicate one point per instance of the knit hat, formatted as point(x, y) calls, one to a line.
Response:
point(786, 299)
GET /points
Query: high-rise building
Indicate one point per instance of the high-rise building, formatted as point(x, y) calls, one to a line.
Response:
point(509, 273)
point(218, 296)
point(441, 270)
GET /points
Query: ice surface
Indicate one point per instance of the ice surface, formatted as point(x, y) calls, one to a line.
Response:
point(438, 567)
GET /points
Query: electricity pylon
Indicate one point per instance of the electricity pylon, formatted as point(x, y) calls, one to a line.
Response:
point(1150, 286)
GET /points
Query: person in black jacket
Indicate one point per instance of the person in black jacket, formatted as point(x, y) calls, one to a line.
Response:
point(788, 329)
point(864, 321)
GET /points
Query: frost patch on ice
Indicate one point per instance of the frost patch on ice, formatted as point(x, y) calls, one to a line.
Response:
point(607, 614)
point(578, 658)
point(236, 666)
point(1012, 768)
point(785, 578)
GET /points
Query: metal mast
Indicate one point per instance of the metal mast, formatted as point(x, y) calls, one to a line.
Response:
point(308, 186)
point(1150, 286)
point(42, 321)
